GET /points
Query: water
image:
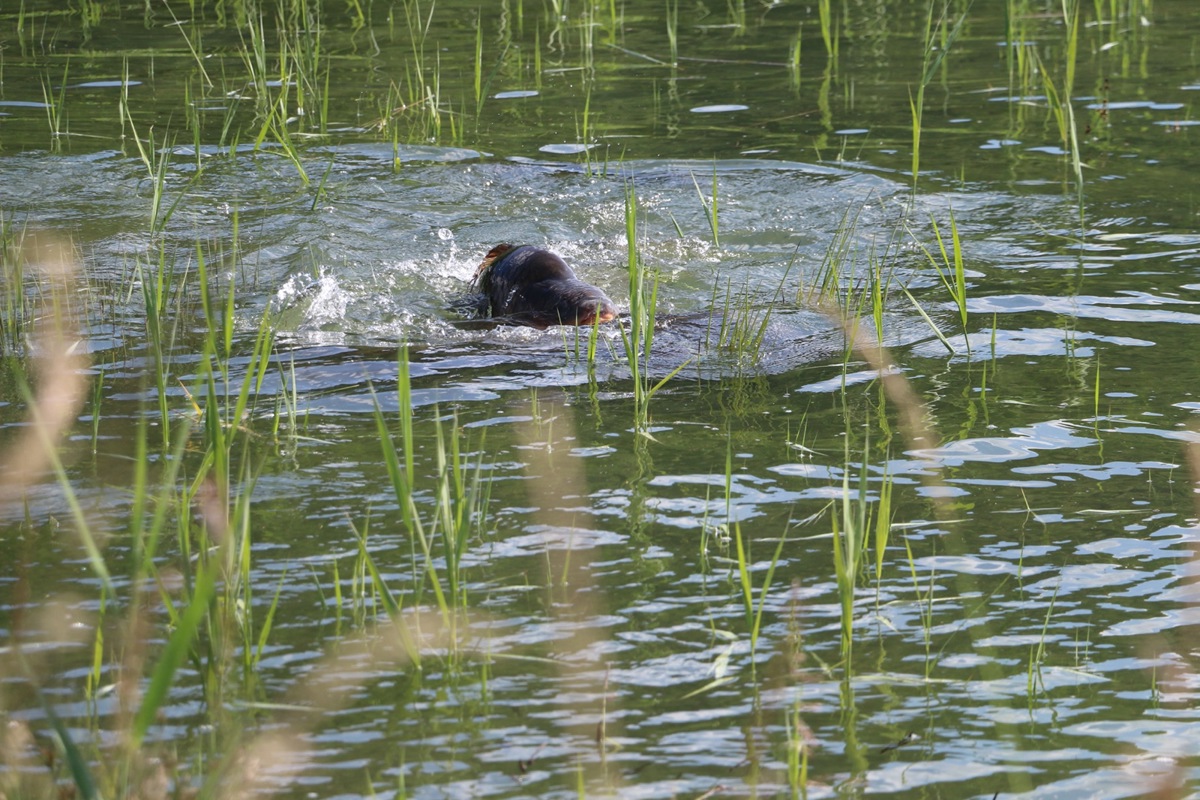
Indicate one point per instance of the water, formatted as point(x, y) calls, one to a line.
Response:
point(1030, 621)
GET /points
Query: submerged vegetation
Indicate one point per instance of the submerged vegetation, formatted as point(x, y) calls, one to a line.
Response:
point(284, 540)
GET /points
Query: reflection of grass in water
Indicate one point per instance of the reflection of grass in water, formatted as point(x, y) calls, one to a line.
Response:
point(737, 15)
point(1020, 58)
point(793, 60)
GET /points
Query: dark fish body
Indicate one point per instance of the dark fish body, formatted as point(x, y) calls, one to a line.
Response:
point(529, 286)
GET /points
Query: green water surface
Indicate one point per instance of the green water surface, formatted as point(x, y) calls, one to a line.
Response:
point(1027, 629)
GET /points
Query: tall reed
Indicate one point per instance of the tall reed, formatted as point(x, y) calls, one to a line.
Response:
point(460, 497)
point(1059, 96)
point(937, 41)
point(638, 338)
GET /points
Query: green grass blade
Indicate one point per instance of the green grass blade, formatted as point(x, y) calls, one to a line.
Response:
point(176, 650)
point(270, 619)
point(928, 320)
point(83, 527)
point(81, 772)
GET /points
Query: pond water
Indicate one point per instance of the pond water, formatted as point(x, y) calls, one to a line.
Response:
point(1028, 626)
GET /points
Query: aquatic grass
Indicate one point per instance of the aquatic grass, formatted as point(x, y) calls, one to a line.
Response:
point(155, 158)
point(933, 326)
point(829, 34)
point(1070, 10)
point(1058, 96)
point(638, 339)
point(224, 412)
point(882, 523)
point(299, 32)
point(55, 104)
point(858, 518)
point(1034, 679)
point(951, 271)
point(537, 58)
point(391, 606)
point(422, 104)
point(321, 193)
point(753, 611)
point(744, 323)
point(157, 291)
point(222, 489)
point(198, 622)
point(17, 314)
point(275, 125)
point(60, 393)
point(671, 18)
point(192, 112)
point(460, 504)
point(478, 62)
point(880, 281)
point(187, 628)
point(194, 44)
point(580, 343)
point(709, 205)
point(272, 107)
point(288, 400)
point(79, 766)
point(584, 136)
point(827, 295)
point(826, 288)
point(850, 528)
point(794, 60)
point(917, 109)
point(937, 41)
